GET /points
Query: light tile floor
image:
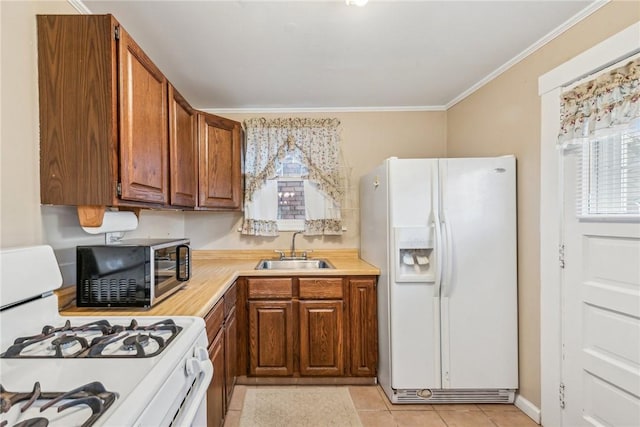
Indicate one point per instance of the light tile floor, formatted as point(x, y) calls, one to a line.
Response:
point(375, 410)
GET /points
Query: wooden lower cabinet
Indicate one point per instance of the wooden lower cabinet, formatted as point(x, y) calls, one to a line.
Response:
point(364, 327)
point(222, 333)
point(216, 392)
point(230, 354)
point(321, 338)
point(307, 327)
point(271, 338)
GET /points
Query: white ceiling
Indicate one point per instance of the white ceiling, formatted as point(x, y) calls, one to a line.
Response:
point(262, 55)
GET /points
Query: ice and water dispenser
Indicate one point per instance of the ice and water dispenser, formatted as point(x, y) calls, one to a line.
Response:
point(415, 257)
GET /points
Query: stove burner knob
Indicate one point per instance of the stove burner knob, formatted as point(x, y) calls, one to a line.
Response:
point(192, 367)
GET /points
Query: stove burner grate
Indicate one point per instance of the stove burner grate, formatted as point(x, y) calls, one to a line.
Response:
point(60, 340)
point(31, 422)
point(93, 395)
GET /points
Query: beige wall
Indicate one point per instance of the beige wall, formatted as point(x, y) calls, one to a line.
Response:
point(20, 188)
point(504, 117)
point(367, 139)
point(22, 220)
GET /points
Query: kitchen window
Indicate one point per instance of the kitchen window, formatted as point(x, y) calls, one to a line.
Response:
point(609, 176)
point(291, 207)
point(600, 122)
point(293, 176)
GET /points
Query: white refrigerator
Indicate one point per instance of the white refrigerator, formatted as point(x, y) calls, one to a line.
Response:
point(443, 233)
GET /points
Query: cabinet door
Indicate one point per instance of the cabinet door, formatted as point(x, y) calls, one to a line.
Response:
point(321, 338)
point(364, 331)
point(77, 76)
point(215, 392)
point(183, 151)
point(230, 354)
point(143, 125)
point(219, 172)
point(270, 338)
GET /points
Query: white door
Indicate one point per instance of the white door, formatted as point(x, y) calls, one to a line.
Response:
point(600, 316)
point(479, 283)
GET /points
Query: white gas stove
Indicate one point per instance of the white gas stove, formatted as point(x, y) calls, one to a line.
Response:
point(90, 371)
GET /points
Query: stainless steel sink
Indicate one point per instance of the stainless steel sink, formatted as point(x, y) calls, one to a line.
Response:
point(293, 264)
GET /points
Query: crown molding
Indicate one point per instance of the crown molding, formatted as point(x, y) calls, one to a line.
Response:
point(385, 109)
point(624, 45)
point(80, 7)
point(531, 49)
point(83, 9)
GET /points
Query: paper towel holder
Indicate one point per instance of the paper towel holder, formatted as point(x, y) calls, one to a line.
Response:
point(93, 215)
point(112, 223)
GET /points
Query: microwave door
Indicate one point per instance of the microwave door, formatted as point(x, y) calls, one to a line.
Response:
point(183, 263)
point(165, 285)
point(170, 273)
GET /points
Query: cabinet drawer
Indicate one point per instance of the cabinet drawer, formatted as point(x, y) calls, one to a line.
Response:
point(230, 300)
point(320, 288)
point(270, 288)
point(213, 320)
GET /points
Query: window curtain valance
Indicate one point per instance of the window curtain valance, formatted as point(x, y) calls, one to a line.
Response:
point(600, 106)
point(267, 142)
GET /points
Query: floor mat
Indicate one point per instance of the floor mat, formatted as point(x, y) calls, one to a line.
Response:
point(299, 406)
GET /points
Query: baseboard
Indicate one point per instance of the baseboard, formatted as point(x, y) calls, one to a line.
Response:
point(531, 410)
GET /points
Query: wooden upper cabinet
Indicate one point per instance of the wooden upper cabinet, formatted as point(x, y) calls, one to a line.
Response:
point(143, 125)
point(183, 151)
point(77, 78)
point(220, 185)
point(104, 129)
point(114, 132)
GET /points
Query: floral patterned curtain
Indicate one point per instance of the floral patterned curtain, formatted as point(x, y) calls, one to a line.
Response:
point(269, 140)
point(600, 106)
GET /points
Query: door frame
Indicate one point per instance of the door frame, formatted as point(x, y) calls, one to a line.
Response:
point(612, 50)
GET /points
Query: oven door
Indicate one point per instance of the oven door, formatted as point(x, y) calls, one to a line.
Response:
point(181, 400)
point(193, 412)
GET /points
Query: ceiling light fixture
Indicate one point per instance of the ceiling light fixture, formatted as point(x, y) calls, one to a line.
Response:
point(356, 2)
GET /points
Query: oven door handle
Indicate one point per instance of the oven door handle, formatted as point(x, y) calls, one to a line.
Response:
point(198, 395)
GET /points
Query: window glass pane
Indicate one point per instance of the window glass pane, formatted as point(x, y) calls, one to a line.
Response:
point(609, 175)
point(291, 209)
point(291, 165)
point(290, 199)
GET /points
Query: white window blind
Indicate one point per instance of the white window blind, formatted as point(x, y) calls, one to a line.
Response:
point(609, 176)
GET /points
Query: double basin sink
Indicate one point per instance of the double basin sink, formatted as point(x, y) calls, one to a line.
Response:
point(293, 264)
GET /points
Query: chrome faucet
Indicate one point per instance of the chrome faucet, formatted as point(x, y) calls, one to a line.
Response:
point(293, 244)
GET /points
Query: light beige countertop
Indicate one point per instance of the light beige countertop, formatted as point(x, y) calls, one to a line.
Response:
point(213, 272)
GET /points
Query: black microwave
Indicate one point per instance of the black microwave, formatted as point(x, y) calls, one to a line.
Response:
point(131, 273)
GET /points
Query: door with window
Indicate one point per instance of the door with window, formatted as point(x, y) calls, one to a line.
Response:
point(601, 282)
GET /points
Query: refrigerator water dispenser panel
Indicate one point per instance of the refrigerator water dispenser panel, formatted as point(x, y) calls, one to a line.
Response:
point(414, 254)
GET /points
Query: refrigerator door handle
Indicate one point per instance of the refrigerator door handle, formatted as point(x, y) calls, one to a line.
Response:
point(447, 276)
point(439, 250)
